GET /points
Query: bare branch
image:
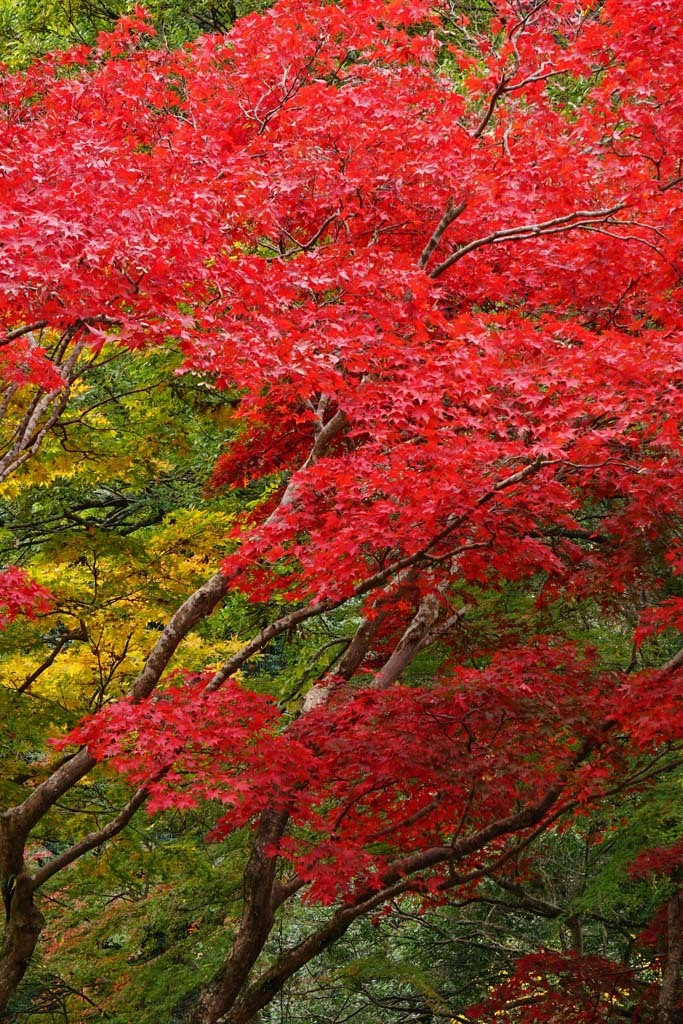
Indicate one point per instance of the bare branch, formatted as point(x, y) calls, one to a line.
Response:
point(20, 331)
point(418, 558)
point(323, 441)
point(414, 639)
point(451, 213)
point(672, 665)
point(298, 246)
point(397, 879)
point(499, 91)
point(75, 634)
point(569, 222)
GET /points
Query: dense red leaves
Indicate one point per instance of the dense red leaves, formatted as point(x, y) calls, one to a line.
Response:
point(218, 746)
point(663, 861)
point(433, 456)
point(506, 384)
point(24, 362)
point(548, 985)
point(374, 776)
point(19, 595)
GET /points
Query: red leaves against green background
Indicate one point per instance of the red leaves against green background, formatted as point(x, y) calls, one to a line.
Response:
point(507, 390)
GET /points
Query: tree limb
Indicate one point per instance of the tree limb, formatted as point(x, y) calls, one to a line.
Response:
point(451, 213)
point(569, 222)
point(91, 841)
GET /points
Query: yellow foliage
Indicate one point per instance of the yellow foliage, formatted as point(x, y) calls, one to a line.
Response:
point(114, 595)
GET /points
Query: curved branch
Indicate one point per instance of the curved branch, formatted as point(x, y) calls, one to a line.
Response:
point(451, 213)
point(396, 880)
point(569, 222)
point(20, 331)
point(91, 841)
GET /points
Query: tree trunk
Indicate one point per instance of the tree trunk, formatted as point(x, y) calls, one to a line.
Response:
point(22, 930)
point(221, 994)
point(671, 972)
point(23, 921)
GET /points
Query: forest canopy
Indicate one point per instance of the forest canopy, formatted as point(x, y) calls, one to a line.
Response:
point(340, 473)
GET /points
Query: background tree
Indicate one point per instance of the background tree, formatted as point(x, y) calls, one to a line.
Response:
point(113, 522)
point(29, 29)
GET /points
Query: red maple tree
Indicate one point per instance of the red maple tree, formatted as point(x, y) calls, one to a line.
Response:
point(440, 258)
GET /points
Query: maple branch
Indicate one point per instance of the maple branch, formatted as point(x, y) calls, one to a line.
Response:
point(632, 238)
point(281, 625)
point(298, 246)
point(451, 213)
point(395, 880)
point(489, 870)
point(504, 86)
point(671, 665)
point(471, 793)
point(324, 438)
point(195, 608)
point(20, 331)
point(360, 644)
point(414, 638)
point(424, 629)
point(9, 391)
point(351, 660)
point(412, 819)
point(255, 924)
point(307, 246)
point(39, 325)
point(91, 841)
point(268, 984)
point(671, 184)
point(419, 557)
point(540, 76)
point(568, 222)
point(110, 398)
point(529, 902)
point(299, 615)
point(75, 634)
point(298, 82)
point(100, 318)
point(499, 91)
point(30, 433)
point(28, 443)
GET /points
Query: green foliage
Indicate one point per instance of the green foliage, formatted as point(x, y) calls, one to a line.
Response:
point(30, 28)
point(652, 819)
point(139, 935)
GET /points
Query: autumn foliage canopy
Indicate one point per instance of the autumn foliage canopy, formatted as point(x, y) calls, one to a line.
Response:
point(436, 254)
